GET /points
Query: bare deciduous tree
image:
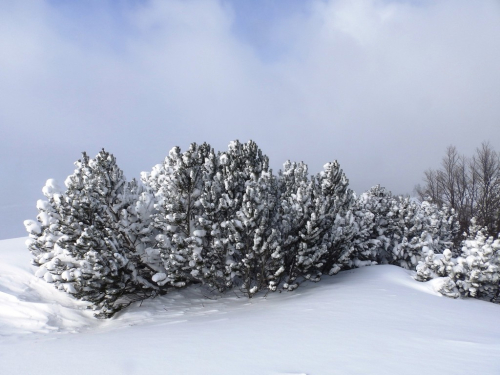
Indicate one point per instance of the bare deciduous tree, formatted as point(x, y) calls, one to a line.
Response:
point(471, 186)
point(486, 169)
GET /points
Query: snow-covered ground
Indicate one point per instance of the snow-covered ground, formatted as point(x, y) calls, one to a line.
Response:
point(373, 320)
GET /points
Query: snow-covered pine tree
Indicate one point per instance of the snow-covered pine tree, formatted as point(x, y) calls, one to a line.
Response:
point(249, 232)
point(433, 266)
point(420, 228)
point(45, 231)
point(334, 200)
point(325, 239)
point(178, 184)
point(449, 230)
point(374, 226)
point(213, 264)
point(441, 224)
point(295, 205)
point(252, 235)
point(477, 273)
point(440, 266)
point(209, 190)
point(405, 240)
point(135, 223)
point(89, 239)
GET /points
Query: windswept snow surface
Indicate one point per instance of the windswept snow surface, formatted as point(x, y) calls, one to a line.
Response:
point(373, 320)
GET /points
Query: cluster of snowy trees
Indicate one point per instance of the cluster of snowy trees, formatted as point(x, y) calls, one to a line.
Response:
point(475, 273)
point(471, 186)
point(224, 220)
point(422, 237)
point(394, 229)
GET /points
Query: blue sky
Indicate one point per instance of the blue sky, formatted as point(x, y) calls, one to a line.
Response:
point(382, 86)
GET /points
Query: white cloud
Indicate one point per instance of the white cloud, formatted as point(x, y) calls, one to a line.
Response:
point(382, 86)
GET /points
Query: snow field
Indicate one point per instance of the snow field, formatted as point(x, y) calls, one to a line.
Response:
point(372, 320)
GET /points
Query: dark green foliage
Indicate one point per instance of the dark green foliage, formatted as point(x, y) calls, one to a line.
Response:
point(224, 220)
point(92, 236)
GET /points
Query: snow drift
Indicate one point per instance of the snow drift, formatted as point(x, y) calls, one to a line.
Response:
point(372, 320)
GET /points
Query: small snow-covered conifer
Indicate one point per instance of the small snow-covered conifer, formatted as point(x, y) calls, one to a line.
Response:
point(333, 205)
point(477, 272)
point(374, 227)
point(249, 233)
point(252, 236)
point(295, 206)
point(420, 228)
point(88, 239)
point(178, 185)
point(433, 266)
point(323, 244)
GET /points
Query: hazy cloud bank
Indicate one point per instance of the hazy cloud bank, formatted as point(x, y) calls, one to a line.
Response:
point(382, 86)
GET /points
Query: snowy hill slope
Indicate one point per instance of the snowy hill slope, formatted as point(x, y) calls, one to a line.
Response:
point(373, 320)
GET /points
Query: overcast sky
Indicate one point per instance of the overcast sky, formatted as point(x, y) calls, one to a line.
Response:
point(382, 86)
